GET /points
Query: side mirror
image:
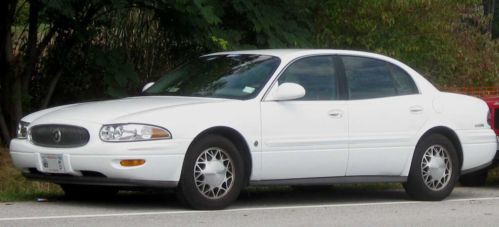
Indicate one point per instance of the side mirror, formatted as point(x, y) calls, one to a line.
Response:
point(147, 86)
point(289, 91)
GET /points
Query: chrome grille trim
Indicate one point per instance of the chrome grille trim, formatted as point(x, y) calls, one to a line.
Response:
point(59, 136)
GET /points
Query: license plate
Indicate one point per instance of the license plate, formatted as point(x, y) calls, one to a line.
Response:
point(53, 163)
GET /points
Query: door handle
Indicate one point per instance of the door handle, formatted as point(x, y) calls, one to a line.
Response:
point(416, 109)
point(335, 113)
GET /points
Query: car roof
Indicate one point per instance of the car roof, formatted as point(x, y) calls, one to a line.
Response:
point(287, 53)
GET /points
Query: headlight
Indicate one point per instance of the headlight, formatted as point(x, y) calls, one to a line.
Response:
point(132, 132)
point(22, 130)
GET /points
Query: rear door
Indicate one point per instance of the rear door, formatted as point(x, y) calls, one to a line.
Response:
point(385, 113)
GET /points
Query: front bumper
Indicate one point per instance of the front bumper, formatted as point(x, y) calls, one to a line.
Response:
point(102, 181)
point(98, 163)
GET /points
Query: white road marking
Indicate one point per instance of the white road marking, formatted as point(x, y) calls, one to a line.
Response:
point(239, 209)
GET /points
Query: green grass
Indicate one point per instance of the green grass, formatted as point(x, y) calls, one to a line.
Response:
point(493, 177)
point(14, 187)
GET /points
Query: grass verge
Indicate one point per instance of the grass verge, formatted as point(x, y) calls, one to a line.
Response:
point(493, 177)
point(14, 187)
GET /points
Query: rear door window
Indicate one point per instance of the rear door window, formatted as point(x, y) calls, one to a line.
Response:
point(371, 78)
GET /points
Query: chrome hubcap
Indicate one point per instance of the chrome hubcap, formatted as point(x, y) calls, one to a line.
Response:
point(213, 173)
point(436, 167)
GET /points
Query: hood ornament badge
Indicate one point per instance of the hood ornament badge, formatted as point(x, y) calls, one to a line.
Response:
point(57, 135)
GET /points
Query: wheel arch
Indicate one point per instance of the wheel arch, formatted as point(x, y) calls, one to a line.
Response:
point(451, 135)
point(237, 139)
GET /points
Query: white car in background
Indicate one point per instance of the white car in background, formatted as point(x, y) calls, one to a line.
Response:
point(263, 117)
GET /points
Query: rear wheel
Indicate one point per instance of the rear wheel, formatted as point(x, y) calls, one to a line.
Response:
point(474, 179)
point(434, 169)
point(212, 175)
point(74, 191)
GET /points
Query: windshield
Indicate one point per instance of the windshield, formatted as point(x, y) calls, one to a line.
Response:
point(239, 76)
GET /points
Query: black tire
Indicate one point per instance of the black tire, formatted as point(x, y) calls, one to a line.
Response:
point(416, 186)
point(187, 189)
point(88, 192)
point(474, 179)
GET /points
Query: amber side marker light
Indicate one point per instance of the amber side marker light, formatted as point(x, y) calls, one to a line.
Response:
point(159, 134)
point(132, 162)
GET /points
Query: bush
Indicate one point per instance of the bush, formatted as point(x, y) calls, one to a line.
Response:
point(442, 39)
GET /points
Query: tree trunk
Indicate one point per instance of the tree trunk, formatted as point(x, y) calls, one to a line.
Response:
point(5, 135)
point(7, 11)
point(20, 81)
point(30, 59)
point(495, 20)
point(489, 7)
point(50, 92)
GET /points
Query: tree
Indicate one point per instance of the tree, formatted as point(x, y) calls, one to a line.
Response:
point(441, 39)
point(494, 24)
point(7, 12)
point(64, 51)
point(98, 49)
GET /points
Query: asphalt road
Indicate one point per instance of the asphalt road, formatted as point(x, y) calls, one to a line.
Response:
point(341, 206)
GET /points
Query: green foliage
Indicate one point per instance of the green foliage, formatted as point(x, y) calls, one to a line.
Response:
point(106, 49)
point(116, 46)
point(433, 36)
point(223, 44)
point(100, 49)
point(207, 11)
point(116, 72)
point(495, 23)
point(274, 24)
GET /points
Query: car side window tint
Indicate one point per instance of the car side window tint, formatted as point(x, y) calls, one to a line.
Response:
point(404, 83)
point(368, 78)
point(316, 74)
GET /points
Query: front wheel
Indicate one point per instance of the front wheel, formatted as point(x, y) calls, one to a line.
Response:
point(434, 169)
point(212, 175)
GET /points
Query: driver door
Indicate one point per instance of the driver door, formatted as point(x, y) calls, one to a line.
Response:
point(306, 137)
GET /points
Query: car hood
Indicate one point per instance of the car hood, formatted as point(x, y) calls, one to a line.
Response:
point(106, 111)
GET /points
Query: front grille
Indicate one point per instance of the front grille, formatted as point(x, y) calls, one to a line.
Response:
point(496, 118)
point(59, 136)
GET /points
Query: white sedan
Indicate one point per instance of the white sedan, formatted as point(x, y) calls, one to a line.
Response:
point(263, 117)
